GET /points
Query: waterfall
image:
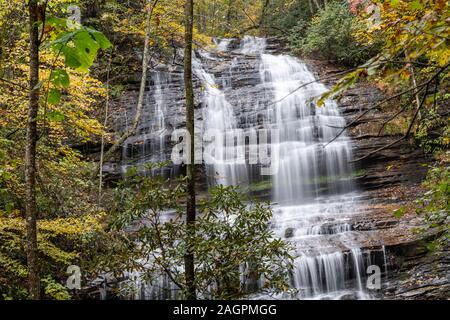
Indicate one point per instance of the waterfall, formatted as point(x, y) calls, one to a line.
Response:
point(304, 163)
point(312, 186)
point(225, 165)
point(312, 190)
point(149, 144)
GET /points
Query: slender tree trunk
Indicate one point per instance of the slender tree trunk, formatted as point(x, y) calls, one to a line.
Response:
point(414, 83)
point(200, 14)
point(190, 208)
point(140, 103)
point(30, 156)
point(229, 14)
point(316, 2)
point(213, 17)
point(311, 7)
point(105, 123)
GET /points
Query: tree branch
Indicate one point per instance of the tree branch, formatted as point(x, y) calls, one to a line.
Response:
point(416, 113)
point(14, 84)
point(373, 108)
point(137, 117)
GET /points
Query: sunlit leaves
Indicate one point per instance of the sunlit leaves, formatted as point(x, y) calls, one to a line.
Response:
point(54, 96)
point(55, 116)
point(79, 47)
point(60, 78)
point(413, 32)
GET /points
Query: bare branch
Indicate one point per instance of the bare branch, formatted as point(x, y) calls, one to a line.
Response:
point(14, 84)
point(411, 124)
point(399, 112)
point(416, 113)
point(137, 117)
point(373, 108)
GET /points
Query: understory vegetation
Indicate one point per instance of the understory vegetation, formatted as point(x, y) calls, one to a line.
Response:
point(232, 240)
point(59, 76)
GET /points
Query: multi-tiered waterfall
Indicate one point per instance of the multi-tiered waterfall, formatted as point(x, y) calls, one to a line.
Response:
point(330, 263)
point(311, 182)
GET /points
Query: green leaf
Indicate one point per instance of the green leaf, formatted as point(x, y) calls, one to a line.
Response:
point(400, 212)
point(62, 39)
point(101, 39)
point(79, 47)
point(86, 48)
point(71, 58)
point(56, 22)
point(394, 3)
point(60, 78)
point(56, 116)
point(415, 5)
point(54, 96)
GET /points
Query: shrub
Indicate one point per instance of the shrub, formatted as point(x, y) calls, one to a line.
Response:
point(330, 35)
point(434, 205)
point(233, 244)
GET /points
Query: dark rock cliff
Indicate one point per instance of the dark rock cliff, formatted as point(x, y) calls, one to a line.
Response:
point(389, 178)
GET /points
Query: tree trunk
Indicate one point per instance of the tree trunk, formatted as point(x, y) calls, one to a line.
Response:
point(140, 103)
point(316, 2)
point(229, 15)
point(30, 156)
point(311, 7)
point(105, 124)
point(190, 207)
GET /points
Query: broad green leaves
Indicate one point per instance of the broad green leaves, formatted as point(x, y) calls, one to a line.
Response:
point(60, 78)
point(78, 45)
point(99, 37)
point(54, 96)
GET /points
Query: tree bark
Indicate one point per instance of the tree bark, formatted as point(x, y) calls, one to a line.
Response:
point(190, 207)
point(316, 2)
point(30, 155)
point(229, 15)
point(140, 103)
point(105, 123)
point(311, 7)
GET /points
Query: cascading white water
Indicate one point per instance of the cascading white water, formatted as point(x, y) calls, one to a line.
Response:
point(223, 44)
point(315, 220)
point(303, 161)
point(149, 145)
point(223, 162)
point(312, 190)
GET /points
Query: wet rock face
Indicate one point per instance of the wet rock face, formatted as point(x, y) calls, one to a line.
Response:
point(419, 273)
point(390, 178)
point(163, 111)
point(401, 164)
